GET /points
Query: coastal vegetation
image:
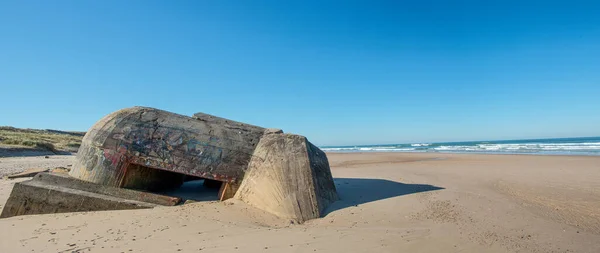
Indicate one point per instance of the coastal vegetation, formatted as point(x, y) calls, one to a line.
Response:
point(46, 139)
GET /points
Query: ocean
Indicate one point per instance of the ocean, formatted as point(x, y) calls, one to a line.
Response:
point(558, 146)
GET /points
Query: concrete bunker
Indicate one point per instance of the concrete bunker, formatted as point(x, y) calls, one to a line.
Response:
point(152, 150)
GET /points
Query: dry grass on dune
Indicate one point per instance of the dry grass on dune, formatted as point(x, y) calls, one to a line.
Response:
point(51, 140)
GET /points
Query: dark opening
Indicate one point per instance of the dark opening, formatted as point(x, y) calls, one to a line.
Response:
point(138, 177)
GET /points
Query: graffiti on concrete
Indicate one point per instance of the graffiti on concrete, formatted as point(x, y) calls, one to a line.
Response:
point(204, 146)
point(167, 148)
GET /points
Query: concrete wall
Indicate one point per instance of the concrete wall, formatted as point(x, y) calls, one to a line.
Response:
point(289, 177)
point(204, 146)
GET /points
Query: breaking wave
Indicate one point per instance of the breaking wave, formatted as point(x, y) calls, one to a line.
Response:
point(575, 146)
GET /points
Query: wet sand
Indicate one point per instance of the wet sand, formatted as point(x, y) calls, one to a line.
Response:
point(391, 202)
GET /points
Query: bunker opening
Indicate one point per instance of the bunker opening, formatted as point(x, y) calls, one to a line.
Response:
point(169, 183)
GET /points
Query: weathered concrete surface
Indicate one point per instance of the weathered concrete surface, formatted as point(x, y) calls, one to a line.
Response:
point(72, 183)
point(228, 190)
point(40, 197)
point(289, 177)
point(59, 193)
point(154, 150)
point(205, 146)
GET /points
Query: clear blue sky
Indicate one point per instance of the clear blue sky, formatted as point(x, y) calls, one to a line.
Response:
point(339, 72)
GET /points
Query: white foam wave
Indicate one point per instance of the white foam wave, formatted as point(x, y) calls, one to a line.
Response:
point(522, 147)
point(382, 149)
point(339, 149)
point(540, 147)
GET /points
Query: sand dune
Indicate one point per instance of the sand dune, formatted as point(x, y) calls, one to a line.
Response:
point(391, 202)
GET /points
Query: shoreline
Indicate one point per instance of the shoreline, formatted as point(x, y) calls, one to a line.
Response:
point(553, 146)
point(461, 153)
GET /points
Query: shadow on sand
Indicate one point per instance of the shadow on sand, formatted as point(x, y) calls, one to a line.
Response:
point(194, 190)
point(357, 191)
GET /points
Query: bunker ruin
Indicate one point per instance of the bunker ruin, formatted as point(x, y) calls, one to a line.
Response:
point(148, 150)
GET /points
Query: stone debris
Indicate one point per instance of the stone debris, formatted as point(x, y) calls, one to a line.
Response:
point(28, 173)
point(62, 170)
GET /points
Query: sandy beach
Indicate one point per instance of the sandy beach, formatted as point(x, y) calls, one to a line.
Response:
point(390, 202)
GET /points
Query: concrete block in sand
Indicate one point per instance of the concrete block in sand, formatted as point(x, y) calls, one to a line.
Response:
point(289, 177)
point(55, 193)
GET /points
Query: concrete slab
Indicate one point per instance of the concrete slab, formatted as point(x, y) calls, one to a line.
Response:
point(34, 197)
point(73, 183)
point(59, 193)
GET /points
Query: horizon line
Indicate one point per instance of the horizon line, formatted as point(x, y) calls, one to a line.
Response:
point(442, 142)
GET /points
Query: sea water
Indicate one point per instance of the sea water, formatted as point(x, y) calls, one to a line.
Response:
point(560, 146)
